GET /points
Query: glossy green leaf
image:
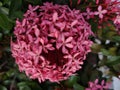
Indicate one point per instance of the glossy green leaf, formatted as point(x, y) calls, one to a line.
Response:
point(116, 38)
point(105, 52)
point(113, 60)
point(71, 81)
point(78, 87)
point(5, 22)
point(4, 10)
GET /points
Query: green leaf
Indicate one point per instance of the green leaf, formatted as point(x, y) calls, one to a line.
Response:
point(117, 67)
point(105, 52)
point(1, 4)
point(7, 82)
point(6, 2)
point(24, 88)
point(3, 87)
point(4, 10)
point(5, 22)
point(113, 60)
point(15, 6)
point(78, 87)
point(21, 84)
point(96, 48)
point(71, 81)
point(116, 38)
point(32, 85)
point(35, 2)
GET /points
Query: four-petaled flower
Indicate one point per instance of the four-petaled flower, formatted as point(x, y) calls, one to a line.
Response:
point(65, 43)
point(100, 12)
point(88, 13)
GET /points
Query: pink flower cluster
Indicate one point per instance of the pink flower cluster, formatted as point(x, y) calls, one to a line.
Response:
point(103, 11)
point(51, 42)
point(96, 86)
point(106, 9)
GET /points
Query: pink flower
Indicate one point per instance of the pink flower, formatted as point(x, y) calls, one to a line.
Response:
point(88, 13)
point(117, 19)
point(96, 86)
point(100, 12)
point(117, 23)
point(65, 44)
point(97, 1)
point(51, 42)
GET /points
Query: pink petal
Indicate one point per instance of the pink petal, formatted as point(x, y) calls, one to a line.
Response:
point(103, 82)
point(69, 39)
point(23, 22)
point(42, 41)
point(30, 38)
point(100, 8)
point(61, 25)
point(49, 46)
point(58, 45)
point(36, 61)
point(37, 32)
point(42, 58)
point(31, 53)
point(62, 38)
point(96, 81)
point(64, 50)
point(100, 16)
point(69, 45)
point(40, 50)
point(96, 13)
point(104, 11)
point(55, 16)
point(74, 23)
point(97, 1)
point(91, 84)
point(76, 54)
point(68, 56)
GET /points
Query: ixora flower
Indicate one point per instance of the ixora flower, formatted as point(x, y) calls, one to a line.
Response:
point(100, 12)
point(117, 23)
point(96, 86)
point(51, 42)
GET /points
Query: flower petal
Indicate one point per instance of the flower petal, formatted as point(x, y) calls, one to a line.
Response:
point(55, 16)
point(69, 39)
